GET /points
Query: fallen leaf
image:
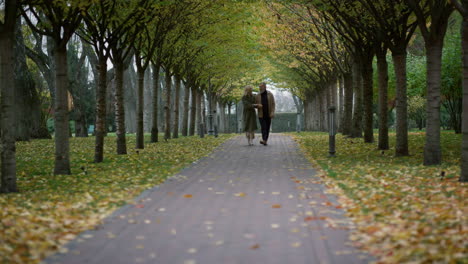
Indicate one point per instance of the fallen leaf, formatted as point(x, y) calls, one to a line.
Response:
point(188, 196)
point(256, 246)
point(276, 206)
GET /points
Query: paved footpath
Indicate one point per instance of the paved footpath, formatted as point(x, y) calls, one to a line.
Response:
point(241, 205)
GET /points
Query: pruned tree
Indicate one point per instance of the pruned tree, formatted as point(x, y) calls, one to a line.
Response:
point(58, 20)
point(105, 25)
point(432, 17)
point(394, 30)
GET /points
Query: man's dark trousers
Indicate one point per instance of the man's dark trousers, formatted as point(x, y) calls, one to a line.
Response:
point(265, 123)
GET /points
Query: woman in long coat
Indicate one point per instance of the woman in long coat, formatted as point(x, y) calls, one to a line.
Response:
point(250, 116)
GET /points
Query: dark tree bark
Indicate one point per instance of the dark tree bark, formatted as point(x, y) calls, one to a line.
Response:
point(167, 107)
point(401, 147)
point(464, 159)
point(356, 131)
point(62, 145)
point(340, 108)
point(175, 131)
point(185, 114)
point(101, 109)
point(348, 104)
point(121, 58)
point(193, 110)
point(7, 86)
point(382, 68)
point(432, 148)
point(156, 84)
point(140, 103)
point(368, 94)
point(200, 109)
point(120, 108)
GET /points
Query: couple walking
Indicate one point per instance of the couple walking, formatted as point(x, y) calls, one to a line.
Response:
point(264, 102)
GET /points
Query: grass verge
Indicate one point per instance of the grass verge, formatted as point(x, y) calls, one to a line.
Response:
point(405, 212)
point(51, 210)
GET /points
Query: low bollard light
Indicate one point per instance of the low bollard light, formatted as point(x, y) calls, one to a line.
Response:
point(331, 131)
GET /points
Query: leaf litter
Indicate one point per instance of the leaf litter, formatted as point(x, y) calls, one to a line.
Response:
point(404, 212)
point(52, 209)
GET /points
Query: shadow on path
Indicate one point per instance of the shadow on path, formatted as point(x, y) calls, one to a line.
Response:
point(242, 204)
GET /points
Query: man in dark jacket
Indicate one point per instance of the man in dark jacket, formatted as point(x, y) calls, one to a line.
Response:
point(266, 111)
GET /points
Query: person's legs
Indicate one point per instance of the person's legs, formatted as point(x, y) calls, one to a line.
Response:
point(267, 129)
point(263, 125)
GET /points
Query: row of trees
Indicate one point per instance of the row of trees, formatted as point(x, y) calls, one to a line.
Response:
point(207, 47)
point(327, 49)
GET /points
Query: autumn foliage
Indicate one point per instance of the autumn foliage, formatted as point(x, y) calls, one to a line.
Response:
point(51, 210)
point(404, 212)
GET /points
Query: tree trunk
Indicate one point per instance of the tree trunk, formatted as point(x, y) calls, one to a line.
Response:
point(229, 129)
point(193, 110)
point(382, 68)
point(340, 109)
point(432, 150)
point(81, 130)
point(167, 107)
point(464, 156)
point(7, 86)
point(222, 117)
point(52, 67)
point(185, 114)
point(62, 145)
point(24, 90)
point(308, 112)
point(199, 110)
point(140, 135)
point(154, 125)
point(148, 95)
point(175, 132)
point(356, 131)
point(348, 104)
point(368, 96)
point(130, 98)
point(101, 107)
point(120, 109)
point(203, 110)
point(401, 147)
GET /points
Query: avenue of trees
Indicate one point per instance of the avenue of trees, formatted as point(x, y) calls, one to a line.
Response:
point(101, 63)
point(173, 66)
point(372, 59)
